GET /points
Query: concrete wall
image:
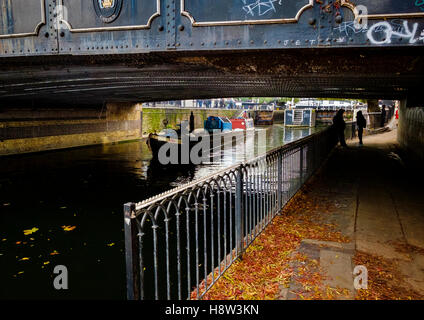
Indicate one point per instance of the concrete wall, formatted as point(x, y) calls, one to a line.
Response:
point(24, 130)
point(153, 118)
point(411, 128)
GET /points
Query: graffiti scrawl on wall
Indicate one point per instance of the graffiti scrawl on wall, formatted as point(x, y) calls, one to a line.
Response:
point(260, 7)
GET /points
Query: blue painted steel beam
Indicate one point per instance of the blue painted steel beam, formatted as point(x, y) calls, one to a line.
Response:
point(92, 27)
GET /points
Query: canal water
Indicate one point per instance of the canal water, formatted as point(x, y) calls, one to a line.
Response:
point(65, 208)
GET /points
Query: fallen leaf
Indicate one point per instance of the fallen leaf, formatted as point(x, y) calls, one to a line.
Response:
point(30, 231)
point(68, 228)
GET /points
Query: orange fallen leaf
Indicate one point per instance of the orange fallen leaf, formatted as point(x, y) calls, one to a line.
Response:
point(68, 228)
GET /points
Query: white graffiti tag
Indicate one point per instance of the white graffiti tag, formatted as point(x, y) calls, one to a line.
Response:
point(260, 7)
point(349, 28)
point(388, 32)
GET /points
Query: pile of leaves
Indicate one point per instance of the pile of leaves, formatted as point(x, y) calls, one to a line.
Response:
point(267, 266)
point(385, 281)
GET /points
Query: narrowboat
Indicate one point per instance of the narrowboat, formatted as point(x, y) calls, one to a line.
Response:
point(219, 131)
point(242, 123)
point(264, 117)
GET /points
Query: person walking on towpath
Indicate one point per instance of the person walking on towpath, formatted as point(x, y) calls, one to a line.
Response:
point(340, 126)
point(383, 116)
point(191, 122)
point(361, 122)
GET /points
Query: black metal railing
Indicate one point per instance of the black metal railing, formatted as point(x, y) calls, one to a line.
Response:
point(351, 130)
point(179, 243)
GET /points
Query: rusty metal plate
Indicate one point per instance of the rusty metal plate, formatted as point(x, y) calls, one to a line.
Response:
point(21, 18)
point(27, 27)
point(109, 15)
point(111, 26)
point(237, 12)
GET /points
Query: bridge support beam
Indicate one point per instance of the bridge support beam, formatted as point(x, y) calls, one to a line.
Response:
point(25, 130)
point(411, 127)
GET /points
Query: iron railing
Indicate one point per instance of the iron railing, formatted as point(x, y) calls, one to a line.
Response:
point(179, 243)
point(351, 130)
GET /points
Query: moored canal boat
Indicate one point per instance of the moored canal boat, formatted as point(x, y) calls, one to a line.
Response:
point(220, 131)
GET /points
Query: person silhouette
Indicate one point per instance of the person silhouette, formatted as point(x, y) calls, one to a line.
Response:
point(383, 116)
point(361, 122)
point(340, 126)
point(191, 122)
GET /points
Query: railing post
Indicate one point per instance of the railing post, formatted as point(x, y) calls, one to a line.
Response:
point(239, 216)
point(131, 252)
point(301, 166)
point(280, 180)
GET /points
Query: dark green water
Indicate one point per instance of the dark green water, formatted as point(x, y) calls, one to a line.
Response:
point(83, 189)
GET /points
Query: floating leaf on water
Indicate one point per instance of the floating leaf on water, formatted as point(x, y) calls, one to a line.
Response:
point(24, 259)
point(46, 262)
point(54, 253)
point(110, 244)
point(62, 208)
point(68, 228)
point(30, 231)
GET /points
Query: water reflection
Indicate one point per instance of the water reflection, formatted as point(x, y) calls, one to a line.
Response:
point(85, 188)
point(274, 136)
point(293, 135)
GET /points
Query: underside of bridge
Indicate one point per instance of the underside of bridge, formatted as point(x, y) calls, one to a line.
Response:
point(392, 73)
point(74, 68)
